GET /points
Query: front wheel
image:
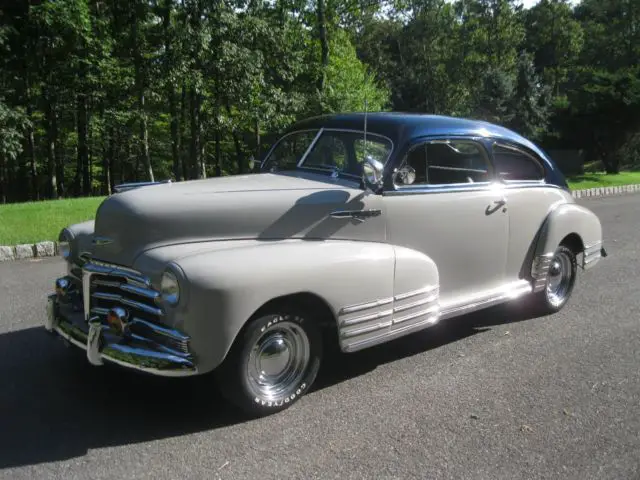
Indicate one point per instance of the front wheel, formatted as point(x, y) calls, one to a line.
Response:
point(273, 362)
point(560, 281)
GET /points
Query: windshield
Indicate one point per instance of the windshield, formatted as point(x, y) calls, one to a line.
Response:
point(333, 151)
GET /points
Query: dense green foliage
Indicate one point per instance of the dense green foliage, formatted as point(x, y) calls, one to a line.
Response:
point(98, 92)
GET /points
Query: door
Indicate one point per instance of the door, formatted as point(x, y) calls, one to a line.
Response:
point(446, 205)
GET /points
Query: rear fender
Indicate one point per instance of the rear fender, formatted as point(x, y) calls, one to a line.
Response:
point(565, 220)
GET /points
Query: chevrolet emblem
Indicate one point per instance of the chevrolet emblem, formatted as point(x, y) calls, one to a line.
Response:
point(100, 241)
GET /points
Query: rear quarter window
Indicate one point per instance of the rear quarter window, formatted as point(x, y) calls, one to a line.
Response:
point(512, 164)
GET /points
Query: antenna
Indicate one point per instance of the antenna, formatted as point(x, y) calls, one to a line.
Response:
point(364, 154)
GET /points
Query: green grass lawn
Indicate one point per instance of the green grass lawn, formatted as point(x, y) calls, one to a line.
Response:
point(592, 180)
point(38, 221)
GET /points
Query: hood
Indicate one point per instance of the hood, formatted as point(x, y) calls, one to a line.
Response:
point(256, 206)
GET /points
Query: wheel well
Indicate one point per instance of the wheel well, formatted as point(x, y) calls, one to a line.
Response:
point(309, 302)
point(574, 242)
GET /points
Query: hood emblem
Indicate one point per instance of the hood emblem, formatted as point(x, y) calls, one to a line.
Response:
point(100, 241)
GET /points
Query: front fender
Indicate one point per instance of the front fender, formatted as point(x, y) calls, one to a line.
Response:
point(225, 287)
point(80, 236)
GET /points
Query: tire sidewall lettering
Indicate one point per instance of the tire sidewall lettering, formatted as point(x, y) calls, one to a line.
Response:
point(289, 399)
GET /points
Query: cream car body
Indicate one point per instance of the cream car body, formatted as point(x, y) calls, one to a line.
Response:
point(440, 223)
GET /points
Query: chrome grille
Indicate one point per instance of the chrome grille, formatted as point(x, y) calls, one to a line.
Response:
point(115, 286)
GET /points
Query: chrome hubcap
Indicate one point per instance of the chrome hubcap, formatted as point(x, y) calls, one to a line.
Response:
point(560, 278)
point(278, 361)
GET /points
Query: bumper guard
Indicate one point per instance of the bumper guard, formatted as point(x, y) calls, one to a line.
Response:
point(101, 346)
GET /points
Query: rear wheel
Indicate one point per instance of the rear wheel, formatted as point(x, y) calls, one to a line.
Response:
point(273, 362)
point(560, 281)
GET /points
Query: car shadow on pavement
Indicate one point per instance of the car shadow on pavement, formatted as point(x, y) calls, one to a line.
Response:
point(340, 366)
point(54, 406)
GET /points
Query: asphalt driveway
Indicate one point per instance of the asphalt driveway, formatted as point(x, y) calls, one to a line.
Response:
point(491, 395)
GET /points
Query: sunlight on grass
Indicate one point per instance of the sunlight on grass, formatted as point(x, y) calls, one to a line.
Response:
point(593, 180)
point(38, 221)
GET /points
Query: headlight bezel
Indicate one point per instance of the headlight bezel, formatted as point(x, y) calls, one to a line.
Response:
point(170, 290)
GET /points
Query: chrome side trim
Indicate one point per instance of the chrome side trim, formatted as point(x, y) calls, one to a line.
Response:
point(390, 335)
point(592, 254)
point(354, 332)
point(417, 303)
point(411, 311)
point(420, 313)
point(540, 271)
point(366, 318)
point(510, 291)
point(434, 312)
point(364, 306)
point(413, 293)
point(463, 187)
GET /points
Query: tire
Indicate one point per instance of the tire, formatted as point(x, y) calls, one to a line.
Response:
point(273, 362)
point(560, 282)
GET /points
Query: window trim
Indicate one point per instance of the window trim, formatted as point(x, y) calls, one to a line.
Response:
point(443, 187)
point(516, 148)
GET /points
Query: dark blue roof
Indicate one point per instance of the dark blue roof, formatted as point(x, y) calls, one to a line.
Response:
point(402, 126)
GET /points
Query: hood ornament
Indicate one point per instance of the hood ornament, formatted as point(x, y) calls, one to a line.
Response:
point(100, 241)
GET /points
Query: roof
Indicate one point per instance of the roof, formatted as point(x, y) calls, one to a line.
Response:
point(401, 126)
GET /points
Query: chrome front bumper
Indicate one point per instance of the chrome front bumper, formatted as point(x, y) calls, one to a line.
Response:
point(101, 345)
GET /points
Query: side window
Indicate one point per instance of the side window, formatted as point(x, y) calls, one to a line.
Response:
point(514, 165)
point(444, 163)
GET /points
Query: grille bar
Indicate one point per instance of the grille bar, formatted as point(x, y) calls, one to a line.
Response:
point(106, 286)
point(114, 297)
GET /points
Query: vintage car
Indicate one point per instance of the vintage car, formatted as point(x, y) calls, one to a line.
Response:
point(358, 229)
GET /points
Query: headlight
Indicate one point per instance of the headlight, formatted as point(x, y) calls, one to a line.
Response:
point(64, 243)
point(170, 288)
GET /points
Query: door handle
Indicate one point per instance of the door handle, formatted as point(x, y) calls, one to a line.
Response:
point(498, 204)
point(360, 215)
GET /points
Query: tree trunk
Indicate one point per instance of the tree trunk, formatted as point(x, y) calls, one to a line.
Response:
point(324, 42)
point(3, 180)
point(51, 133)
point(82, 174)
point(144, 138)
point(140, 80)
point(171, 91)
point(31, 154)
point(59, 155)
point(183, 107)
point(196, 134)
point(258, 140)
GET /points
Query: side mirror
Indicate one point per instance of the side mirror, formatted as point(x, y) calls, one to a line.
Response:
point(372, 171)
